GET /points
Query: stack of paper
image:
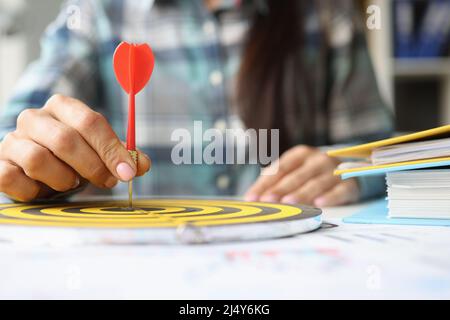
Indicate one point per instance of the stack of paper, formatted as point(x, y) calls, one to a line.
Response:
point(414, 189)
point(419, 194)
point(411, 151)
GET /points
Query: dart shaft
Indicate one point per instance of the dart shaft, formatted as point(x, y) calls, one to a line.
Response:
point(131, 130)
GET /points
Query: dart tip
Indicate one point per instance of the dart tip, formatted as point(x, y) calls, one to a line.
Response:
point(130, 194)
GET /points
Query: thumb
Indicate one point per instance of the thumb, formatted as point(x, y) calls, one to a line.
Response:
point(144, 163)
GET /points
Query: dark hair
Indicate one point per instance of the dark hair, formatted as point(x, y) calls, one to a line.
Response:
point(273, 87)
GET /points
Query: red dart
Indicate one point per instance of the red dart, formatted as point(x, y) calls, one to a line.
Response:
point(133, 66)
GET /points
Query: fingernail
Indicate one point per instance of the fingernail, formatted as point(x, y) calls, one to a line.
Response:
point(125, 171)
point(289, 200)
point(269, 198)
point(320, 202)
point(76, 183)
point(251, 197)
point(111, 182)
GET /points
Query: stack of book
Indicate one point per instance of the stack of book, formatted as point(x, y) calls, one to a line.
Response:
point(417, 169)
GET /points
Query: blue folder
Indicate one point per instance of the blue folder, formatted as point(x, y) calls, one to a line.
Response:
point(377, 213)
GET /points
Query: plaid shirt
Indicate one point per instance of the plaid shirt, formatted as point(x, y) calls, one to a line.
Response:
point(197, 56)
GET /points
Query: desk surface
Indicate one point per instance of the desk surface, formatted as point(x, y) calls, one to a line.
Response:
point(341, 261)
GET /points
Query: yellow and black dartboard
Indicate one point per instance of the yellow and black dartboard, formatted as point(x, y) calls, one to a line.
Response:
point(159, 220)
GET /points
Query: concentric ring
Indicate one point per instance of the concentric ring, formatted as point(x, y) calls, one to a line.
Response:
point(153, 213)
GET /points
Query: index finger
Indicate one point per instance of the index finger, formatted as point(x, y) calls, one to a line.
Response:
point(97, 132)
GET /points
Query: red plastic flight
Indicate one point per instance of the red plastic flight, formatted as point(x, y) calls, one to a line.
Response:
point(133, 66)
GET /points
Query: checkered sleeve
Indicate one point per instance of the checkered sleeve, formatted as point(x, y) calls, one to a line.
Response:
point(67, 64)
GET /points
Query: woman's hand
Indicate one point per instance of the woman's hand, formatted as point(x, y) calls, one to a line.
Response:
point(53, 147)
point(304, 175)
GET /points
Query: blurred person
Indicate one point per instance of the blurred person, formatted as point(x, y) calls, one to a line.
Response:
point(298, 66)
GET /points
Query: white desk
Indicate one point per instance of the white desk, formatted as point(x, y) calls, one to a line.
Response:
point(348, 261)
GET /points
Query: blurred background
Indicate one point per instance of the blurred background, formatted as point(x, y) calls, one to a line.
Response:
point(410, 53)
point(21, 25)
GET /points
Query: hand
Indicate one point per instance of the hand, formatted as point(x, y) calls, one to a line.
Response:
point(57, 145)
point(304, 175)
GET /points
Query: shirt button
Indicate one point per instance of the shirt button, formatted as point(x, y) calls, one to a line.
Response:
point(220, 125)
point(216, 78)
point(223, 182)
point(209, 28)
